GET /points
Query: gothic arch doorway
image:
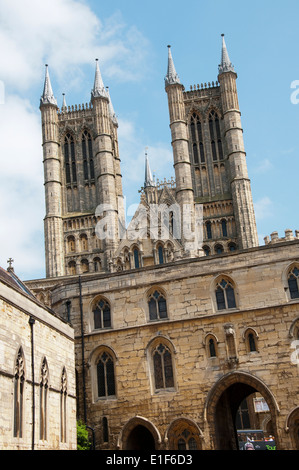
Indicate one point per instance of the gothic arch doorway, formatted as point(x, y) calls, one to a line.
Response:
point(223, 403)
point(140, 434)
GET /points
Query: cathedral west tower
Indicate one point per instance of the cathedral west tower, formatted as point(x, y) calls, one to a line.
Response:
point(82, 178)
point(208, 147)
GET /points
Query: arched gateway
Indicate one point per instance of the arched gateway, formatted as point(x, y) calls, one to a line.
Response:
point(140, 434)
point(223, 402)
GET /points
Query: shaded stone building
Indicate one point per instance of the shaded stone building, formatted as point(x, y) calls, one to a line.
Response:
point(180, 317)
point(37, 373)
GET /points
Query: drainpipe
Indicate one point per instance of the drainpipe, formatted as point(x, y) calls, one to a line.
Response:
point(31, 323)
point(82, 347)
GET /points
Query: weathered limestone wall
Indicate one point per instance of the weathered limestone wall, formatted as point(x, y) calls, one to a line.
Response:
point(54, 340)
point(259, 277)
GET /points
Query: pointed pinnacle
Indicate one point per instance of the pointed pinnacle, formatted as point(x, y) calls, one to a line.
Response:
point(226, 65)
point(48, 96)
point(171, 76)
point(98, 90)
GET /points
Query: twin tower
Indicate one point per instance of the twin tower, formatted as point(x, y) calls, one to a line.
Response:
point(82, 174)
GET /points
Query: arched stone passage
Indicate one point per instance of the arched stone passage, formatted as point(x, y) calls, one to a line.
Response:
point(140, 434)
point(222, 404)
point(292, 427)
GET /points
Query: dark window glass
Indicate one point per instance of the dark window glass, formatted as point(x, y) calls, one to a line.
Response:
point(293, 286)
point(220, 299)
point(105, 376)
point(212, 348)
point(158, 371)
point(251, 341)
point(160, 253)
point(136, 258)
point(230, 295)
point(209, 230)
point(224, 228)
point(102, 315)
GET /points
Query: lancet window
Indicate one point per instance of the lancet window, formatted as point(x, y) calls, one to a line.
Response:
point(44, 385)
point(88, 166)
point(215, 136)
point(102, 314)
point(105, 375)
point(293, 282)
point(19, 386)
point(197, 139)
point(70, 159)
point(163, 369)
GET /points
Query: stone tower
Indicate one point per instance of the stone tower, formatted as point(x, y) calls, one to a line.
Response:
point(181, 157)
point(83, 186)
point(53, 222)
point(209, 157)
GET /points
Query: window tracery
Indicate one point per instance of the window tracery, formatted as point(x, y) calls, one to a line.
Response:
point(225, 295)
point(102, 314)
point(157, 306)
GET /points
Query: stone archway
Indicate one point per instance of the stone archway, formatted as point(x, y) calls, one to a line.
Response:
point(292, 427)
point(140, 434)
point(222, 404)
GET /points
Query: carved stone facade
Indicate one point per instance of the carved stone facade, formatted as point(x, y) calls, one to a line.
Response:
point(171, 337)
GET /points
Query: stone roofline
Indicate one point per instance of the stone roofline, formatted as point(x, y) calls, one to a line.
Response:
point(69, 280)
point(66, 112)
point(274, 238)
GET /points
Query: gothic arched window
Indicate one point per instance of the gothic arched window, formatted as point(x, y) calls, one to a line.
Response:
point(88, 166)
point(209, 230)
point(160, 254)
point(293, 283)
point(186, 441)
point(63, 399)
point(102, 314)
point(157, 306)
point(197, 139)
point(70, 159)
point(71, 244)
point(163, 369)
point(224, 228)
point(251, 340)
point(215, 136)
point(19, 385)
point(105, 375)
point(44, 385)
point(225, 295)
point(72, 268)
point(136, 258)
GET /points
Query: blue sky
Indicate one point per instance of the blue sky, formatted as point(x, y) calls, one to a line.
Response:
point(130, 40)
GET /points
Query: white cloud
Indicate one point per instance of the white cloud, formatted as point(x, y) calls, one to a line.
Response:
point(66, 34)
point(21, 186)
point(263, 167)
point(263, 208)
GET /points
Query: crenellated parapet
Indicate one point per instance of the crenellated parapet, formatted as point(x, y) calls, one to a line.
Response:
point(274, 237)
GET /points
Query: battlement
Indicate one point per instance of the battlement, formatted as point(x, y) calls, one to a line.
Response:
point(74, 111)
point(274, 238)
point(201, 90)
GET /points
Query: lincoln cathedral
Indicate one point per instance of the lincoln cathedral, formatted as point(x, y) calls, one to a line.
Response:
point(185, 330)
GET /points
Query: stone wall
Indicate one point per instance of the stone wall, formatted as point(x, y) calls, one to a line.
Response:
point(263, 306)
point(53, 340)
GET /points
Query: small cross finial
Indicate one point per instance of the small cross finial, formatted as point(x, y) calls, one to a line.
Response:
point(10, 261)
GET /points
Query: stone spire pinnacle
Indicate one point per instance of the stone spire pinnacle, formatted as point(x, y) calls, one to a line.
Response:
point(226, 65)
point(98, 90)
point(171, 76)
point(48, 96)
point(64, 106)
point(148, 181)
point(111, 109)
